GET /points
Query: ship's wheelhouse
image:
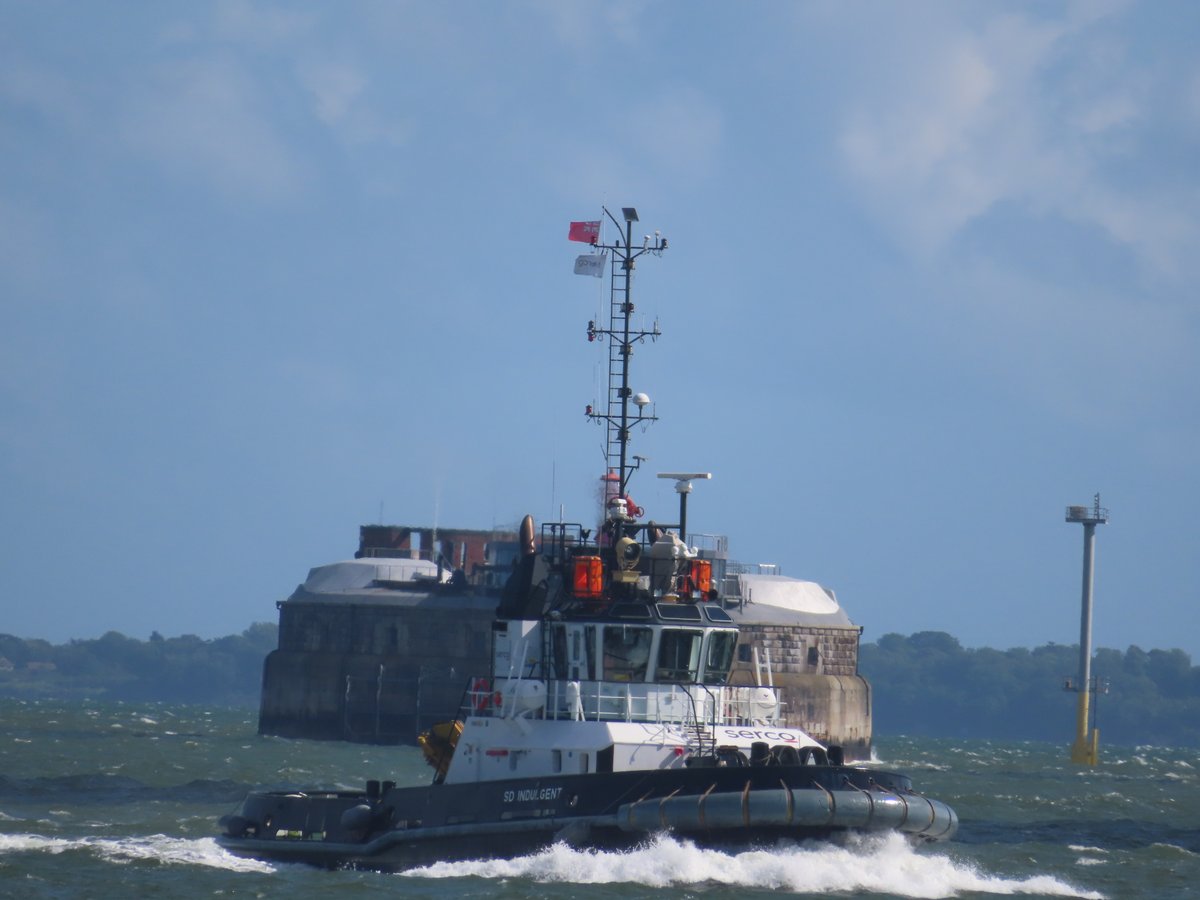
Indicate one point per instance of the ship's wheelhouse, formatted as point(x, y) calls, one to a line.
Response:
point(637, 663)
point(637, 652)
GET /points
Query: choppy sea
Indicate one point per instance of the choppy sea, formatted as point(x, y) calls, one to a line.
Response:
point(104, 800)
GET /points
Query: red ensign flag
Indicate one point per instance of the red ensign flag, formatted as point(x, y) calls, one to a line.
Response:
point(587, 232)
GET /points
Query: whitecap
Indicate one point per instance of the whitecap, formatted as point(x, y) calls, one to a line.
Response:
point(885, 864)
point(170, 850)
point(1176, 848)
point(159, 847)
point(18, 843)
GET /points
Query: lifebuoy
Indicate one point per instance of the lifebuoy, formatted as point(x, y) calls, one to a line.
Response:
point(481, 697)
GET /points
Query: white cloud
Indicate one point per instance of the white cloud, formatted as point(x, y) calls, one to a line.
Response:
point(339, 93)
point(207, 118)
point(1040, 175)
point(192, 108)
point(918, 156)
point(928, 142)
point(335, 89)
point(957, 117)
point(1103, 114)
point(1163, 231)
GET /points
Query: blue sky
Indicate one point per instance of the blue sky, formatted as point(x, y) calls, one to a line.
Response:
point(267, 270)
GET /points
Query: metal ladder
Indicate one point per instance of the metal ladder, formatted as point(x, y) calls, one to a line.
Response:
point(702, 738)
point(617, 351)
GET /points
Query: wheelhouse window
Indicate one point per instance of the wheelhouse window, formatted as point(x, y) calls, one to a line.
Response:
point(678, 655)
point(719, 658)
point(558, 651)
point(589, 648)
point(626, 652)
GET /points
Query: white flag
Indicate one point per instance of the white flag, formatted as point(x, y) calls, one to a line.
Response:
point(589, 264)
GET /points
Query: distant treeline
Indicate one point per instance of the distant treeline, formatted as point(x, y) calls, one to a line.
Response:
point(928, 684)
point(224, 672)
point(923, 684)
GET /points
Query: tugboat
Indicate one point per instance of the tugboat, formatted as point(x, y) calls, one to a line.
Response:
point(610, 713)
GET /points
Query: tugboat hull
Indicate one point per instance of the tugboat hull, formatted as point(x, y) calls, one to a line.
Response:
point(396, 828)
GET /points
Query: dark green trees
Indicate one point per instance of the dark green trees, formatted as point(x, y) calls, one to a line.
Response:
point(927, 683)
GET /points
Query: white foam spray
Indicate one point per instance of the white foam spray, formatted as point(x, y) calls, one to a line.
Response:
point(160, 847)
point(884, 864)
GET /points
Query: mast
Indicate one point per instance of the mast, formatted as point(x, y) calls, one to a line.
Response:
point(617, 415)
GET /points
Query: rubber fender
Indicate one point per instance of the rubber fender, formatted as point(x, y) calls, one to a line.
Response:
point(889, 811)
point(815, 756)
point(920, 813)
point(812, 808)
point(682, 813)
point(770, 806)
point(689, 813)
point(723, 810)
point(945, 822)
point(852, 808)
point(641, 815)
point(760, 753)
point(786, 755)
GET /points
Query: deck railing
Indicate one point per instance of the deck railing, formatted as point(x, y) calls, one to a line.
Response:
point(617, 701)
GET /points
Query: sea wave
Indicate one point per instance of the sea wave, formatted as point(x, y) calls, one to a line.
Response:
point(103, 787)
point(883, 864)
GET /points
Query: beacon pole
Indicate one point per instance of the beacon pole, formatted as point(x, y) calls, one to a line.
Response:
point(1086, 749)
